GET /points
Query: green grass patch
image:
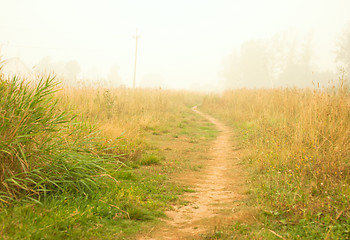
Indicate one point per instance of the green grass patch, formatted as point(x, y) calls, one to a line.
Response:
point(60, 179)
point(44, 149)
point(116, 210)
point(197, 128)
point(151, 159)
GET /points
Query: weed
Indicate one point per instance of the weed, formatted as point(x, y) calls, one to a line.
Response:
point(151, 159)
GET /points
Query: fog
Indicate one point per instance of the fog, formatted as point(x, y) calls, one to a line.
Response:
point(200, 45)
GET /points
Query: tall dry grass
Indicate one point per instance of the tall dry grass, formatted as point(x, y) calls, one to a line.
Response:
point(129, 113)
point(298, 142)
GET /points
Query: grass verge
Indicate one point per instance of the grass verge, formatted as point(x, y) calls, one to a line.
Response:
point(297, 147)
point(73, 176)
point(61, 178)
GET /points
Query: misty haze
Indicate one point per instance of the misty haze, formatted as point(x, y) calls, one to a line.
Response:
point(175, 120)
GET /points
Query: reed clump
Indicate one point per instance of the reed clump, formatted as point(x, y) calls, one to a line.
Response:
point(298, 143)
point(44, 148)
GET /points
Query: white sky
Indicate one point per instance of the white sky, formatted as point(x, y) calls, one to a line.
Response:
point(184, 41)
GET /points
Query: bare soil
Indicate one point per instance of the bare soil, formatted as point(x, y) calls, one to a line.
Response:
point(218, 196)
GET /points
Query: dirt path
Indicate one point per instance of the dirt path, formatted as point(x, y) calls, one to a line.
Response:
point(217, 199)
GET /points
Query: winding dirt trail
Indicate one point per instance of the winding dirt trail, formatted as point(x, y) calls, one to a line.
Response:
point(218, 192)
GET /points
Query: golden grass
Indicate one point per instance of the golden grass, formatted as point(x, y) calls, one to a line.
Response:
point(299, 142)
point(129, 112)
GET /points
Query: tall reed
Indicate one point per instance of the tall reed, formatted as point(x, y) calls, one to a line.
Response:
point(43, 147)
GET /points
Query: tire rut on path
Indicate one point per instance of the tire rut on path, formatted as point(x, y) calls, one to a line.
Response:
point(218, 192)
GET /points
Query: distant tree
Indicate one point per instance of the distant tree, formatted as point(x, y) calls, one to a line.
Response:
point(281, 61)
point(290, 59)
point(248, 67)
point(343, 49)
point(254, 64)
point(297, 69)
point(230, 71)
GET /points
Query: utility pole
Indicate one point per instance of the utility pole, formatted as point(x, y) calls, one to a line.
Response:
point(136, 37)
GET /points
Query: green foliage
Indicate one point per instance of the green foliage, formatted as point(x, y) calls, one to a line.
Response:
point(43, 149)
point(115, 210)
point(150, 159)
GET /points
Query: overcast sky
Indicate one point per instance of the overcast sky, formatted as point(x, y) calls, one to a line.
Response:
point(183, 41)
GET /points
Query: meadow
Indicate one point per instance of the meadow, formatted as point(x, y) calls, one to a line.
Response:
point(94, 163)
point(77, 163)
point(297, 145)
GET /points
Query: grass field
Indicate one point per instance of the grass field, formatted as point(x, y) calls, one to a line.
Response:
point(297, 146)
point(87, 163)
